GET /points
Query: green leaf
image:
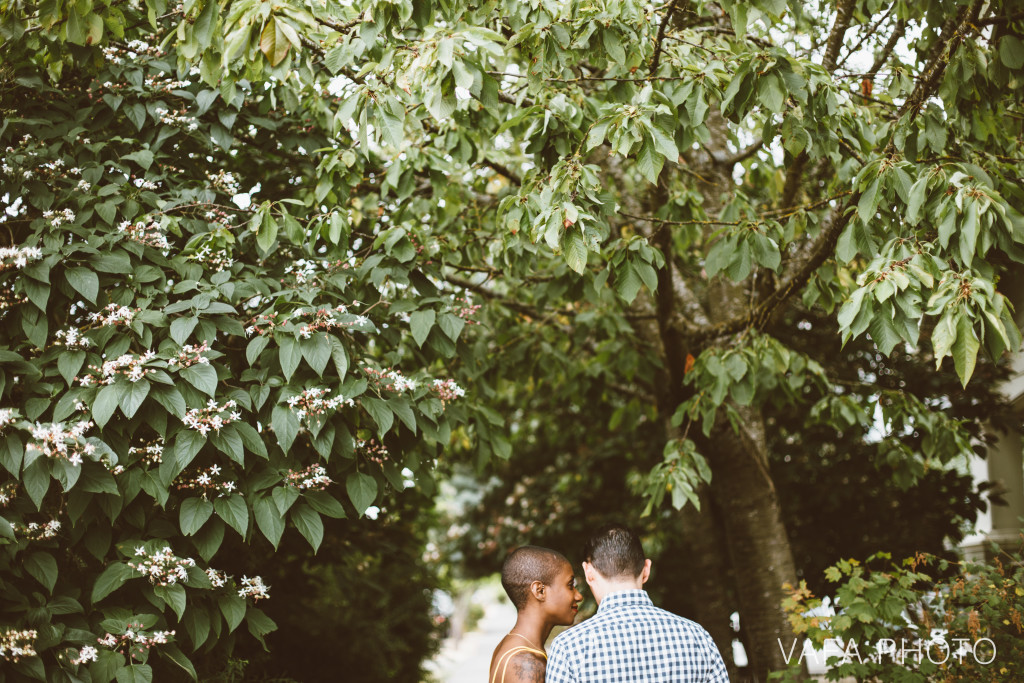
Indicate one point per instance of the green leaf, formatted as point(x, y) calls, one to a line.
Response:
point(420, 323)
point(105, 404)
point(575, 250)
point(627, 282)
point(69, 363)
point(43, 568)
point(232, 607)
point(255, 348)
point(918, 194)
point(285, 425)
point(202, 376)
point(380, 412)
point(187, 445)
point(325, 504)
point(451, 325)
point(136, 673)
point(883, 331)
point(36, 480)
point(174, 596)
point(174, 653)
point(649, 162)
point(112, 578)
point(309, 524)
point(317, 351)
point(1011, 51)
point(193, 515)
point(965, 349)
point(251, 439)
point(181, 329)
point(362, 491)
point(232, 510)
point(269, 519)
point(84, 281)
point(273, 42)
point(133, 396)
point(289, 354)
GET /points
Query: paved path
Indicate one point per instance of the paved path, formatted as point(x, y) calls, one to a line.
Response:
point(468, 660)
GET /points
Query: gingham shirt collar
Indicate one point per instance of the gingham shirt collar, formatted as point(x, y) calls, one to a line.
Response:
point(626, 598)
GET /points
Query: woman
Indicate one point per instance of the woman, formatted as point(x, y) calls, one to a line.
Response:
point(542, 586)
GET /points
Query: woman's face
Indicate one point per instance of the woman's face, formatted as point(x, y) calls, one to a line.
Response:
point(563, 598)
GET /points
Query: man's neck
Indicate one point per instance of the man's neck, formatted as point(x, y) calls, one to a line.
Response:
point(612, 587)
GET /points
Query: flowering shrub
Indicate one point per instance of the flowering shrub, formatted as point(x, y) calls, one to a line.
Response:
point(177, 359)
point(926, 620)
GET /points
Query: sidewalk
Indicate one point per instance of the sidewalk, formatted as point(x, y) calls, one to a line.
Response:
point(468, 660)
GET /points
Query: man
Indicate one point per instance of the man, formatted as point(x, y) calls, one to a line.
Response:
point(542, 586)
point(630, 640)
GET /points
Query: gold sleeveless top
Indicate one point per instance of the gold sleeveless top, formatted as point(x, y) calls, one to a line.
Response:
point(505, 658)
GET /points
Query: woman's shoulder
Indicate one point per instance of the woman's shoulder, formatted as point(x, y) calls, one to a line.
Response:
point(519, 665)
point(525, 665)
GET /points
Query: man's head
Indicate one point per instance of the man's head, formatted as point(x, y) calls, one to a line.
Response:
point(614, 560)
point(529, 569)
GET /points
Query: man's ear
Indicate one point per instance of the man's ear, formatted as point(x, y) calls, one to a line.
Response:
point(589, 572)
point(538, 591)
point(646, 573)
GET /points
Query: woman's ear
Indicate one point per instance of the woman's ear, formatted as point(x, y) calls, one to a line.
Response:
point(538, 590)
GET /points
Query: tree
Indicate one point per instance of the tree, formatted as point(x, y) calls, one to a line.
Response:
point(645, 190)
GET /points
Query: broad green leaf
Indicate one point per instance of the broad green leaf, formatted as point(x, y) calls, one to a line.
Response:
point(362, 491)
point(85, 282)
point(309, 524)
point(232, 510)
point(43, 568)
point(269, 519)
point(420, 323)
point(965, 349)
point(112, 578)
point(193, 514)
point(273, 42)
point(202, 376)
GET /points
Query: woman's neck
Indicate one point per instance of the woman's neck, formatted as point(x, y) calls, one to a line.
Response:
point(532, 630)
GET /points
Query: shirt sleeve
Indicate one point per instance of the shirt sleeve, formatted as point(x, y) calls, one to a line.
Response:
point(559, 669)
point(717, 672)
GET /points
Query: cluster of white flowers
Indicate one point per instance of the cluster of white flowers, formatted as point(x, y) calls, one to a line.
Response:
point(17, 644)
point(312, 478)
point(112, 314)
point(263, 324)
point(159, 83)
point(135, 641)
point(163, 567)
point(118, 55)
point(152, 453)
point(83, 186)
point(179, 118)
point(8, 416)
point(224, 181)
point(73, 338)
point(190, 355)
point(209, 481)
point(302, 270)
point(8, 492)
point(87, 654)
point(253, 588)
point(59, 218)
point(218, 260)
point(213, 417)
point(327, 319)
point(12, 257)
point(313, 402)
point(37, 532)
point(54, 441)
point(144, 184)
point(149, 234)
point(217, 579)
point(447, 390)
point(389, 380)
point(129, 365)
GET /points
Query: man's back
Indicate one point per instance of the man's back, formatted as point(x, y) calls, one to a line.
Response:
point(630, 640)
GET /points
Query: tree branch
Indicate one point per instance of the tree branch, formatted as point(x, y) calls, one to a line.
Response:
point(824, 246)
point(661, 36)
point(844, 12)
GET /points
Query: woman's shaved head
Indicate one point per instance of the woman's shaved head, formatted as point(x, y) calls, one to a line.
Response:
point(527, 564)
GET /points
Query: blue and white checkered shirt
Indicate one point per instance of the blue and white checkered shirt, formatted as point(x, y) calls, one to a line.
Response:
point(630, 640)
